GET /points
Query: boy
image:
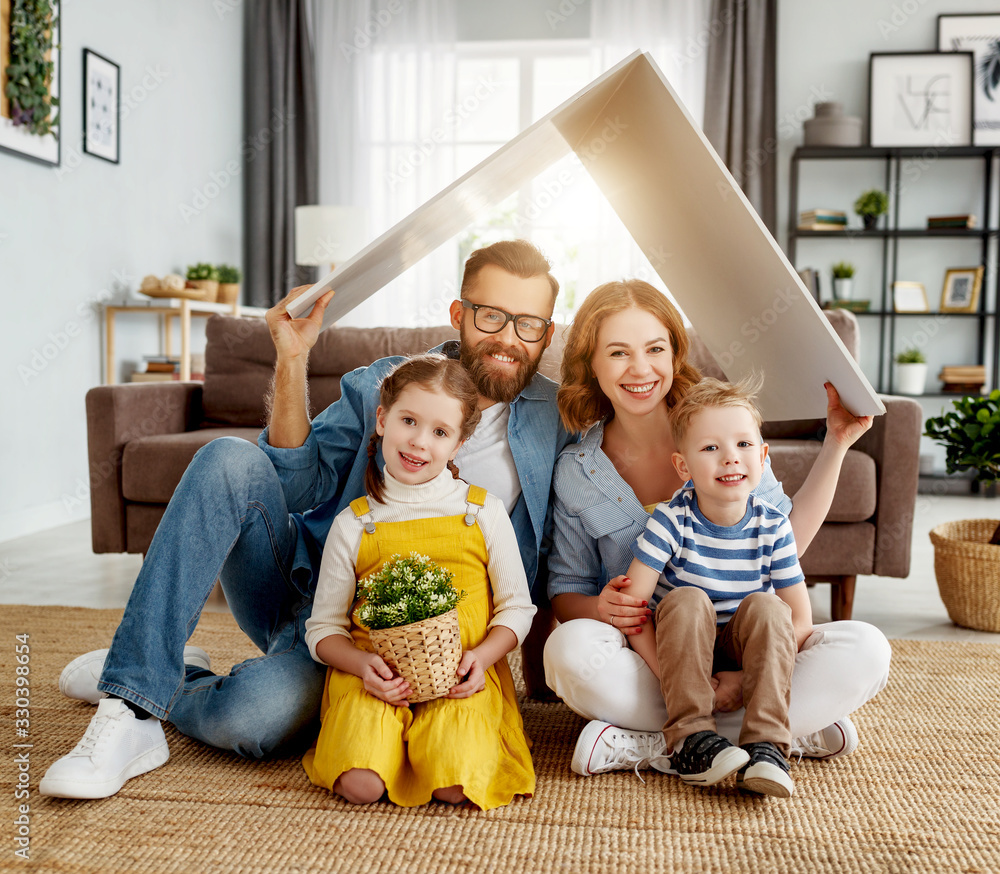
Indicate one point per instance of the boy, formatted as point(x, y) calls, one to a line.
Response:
point(713, 557)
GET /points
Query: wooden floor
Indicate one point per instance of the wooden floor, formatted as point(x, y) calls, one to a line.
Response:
point(58, 567)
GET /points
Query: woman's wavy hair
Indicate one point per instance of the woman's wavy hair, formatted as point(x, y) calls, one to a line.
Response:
point(432, 372)
point(581, 401)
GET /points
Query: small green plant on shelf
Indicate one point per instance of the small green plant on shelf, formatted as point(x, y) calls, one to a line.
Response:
point(843, 270)
point(870, 205)
point(970, 434)
point(228, 274)
point(910, 356)
point(202, 271)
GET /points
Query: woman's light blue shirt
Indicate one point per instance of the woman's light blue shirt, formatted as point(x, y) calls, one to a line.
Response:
point(597, 517)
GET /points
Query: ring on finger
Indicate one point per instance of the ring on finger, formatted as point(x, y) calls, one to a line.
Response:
point(612, 621)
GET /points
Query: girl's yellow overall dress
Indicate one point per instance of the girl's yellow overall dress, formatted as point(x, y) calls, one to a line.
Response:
point(477, 743)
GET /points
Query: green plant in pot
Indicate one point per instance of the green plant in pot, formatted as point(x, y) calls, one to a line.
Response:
point(967, 552)
point(870, 205)
point(843, 280)
point(911, 371)
point(205, 277)
point(229, 283)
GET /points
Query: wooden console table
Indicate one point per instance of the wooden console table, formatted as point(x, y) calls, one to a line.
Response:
point(180, 308)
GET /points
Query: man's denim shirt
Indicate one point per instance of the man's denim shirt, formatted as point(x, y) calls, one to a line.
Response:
point(321, 477)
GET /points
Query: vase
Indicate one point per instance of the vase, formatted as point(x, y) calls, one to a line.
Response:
point(911, 379)
point(843, 288)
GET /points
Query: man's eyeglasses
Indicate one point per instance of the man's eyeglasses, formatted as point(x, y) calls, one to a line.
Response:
point(491, 320)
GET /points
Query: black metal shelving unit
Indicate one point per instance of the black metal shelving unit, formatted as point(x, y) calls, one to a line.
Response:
point(890, 236)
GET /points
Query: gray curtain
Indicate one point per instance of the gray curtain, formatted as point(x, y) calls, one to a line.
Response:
point(740, 97)
point(280, 145)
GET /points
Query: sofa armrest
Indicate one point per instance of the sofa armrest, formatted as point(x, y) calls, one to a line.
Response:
point(894, 442)
point(117, 414)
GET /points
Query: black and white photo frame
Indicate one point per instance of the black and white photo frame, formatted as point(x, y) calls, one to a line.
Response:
point(920, 99)
point(979, 34)
point(101, 106)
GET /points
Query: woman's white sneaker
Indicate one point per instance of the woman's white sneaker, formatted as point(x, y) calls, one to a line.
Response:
point(115, 748)
point(832, 742)
point(79, 678)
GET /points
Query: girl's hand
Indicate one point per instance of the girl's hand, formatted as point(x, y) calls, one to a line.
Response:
point(843, 427)
point(728, 687)
point(383, 684)
point(473, 676)
point(622, 611)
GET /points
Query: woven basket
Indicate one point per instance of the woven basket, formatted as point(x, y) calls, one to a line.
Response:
point(967, 567)
point(426, 654)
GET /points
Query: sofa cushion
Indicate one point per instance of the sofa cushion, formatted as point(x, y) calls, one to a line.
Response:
point(856, 495)
point(152, 466)
point(239, 362)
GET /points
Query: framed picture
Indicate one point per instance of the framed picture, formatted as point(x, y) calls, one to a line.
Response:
point(920, 99)
point(979, 34)
point(909, 297)
point(101, 106)
point(35, 133)
point(961, 289)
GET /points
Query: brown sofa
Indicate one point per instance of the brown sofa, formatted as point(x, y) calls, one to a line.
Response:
point(142, 436)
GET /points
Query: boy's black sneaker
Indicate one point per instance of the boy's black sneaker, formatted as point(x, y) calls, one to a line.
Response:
point(707, 758)
point(767, 771)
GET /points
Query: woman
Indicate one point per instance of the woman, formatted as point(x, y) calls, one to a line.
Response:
point(624, 367)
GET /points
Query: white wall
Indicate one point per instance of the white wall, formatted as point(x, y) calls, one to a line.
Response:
point(71, 236)
point(823, 51)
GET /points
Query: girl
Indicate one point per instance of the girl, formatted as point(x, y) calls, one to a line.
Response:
point(471, 744)
point(624, 368)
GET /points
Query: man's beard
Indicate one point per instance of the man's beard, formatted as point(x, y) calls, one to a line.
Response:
point(490, 381)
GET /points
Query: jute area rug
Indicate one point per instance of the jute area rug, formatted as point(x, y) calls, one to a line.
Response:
point(922, 793)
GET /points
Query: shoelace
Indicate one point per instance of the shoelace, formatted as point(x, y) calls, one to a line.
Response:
point(810, 744)
point(628, 747)
point(88, 743)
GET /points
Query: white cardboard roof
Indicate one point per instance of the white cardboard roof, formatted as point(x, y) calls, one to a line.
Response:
point(686, 213)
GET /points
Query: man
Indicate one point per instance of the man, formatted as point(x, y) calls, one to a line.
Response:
point(256, 517)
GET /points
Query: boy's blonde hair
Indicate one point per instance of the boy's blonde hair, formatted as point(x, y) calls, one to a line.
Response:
point(711, 392)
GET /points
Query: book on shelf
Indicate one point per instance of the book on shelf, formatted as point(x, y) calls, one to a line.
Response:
point(855, 306)
point(818, 226)
point(963, 220)
point(962, 388)
point(963, 373)
point(164, 377)
point(810, 279)
point(822, 220)
point(824, 213)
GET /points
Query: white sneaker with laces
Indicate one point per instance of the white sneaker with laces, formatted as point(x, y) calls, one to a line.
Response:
point(115, 748)
point(79, 678)
point(605, 747)
point(834, 741)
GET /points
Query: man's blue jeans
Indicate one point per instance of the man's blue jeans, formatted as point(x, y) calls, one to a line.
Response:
point(227, 519)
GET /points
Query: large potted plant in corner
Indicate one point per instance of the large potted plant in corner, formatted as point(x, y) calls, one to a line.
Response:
point(967, 552)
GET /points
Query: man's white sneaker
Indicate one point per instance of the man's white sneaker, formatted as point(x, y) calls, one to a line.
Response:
point(116, 747)
point(79, 678)
point(605, 747)
point(839, 739)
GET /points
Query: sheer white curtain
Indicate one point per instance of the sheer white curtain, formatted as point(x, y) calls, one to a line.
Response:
point(386, 91)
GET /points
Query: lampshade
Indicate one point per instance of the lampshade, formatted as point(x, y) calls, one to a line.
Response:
point(328, 234)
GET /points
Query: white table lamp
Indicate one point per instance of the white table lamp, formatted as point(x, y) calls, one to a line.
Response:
point(328, 234)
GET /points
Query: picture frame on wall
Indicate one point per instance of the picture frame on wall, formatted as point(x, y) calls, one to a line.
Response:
point(920, 99)
point(909, 297)
point(961, 289)
point(32, 135)
point(101, 106)
point(979, 34)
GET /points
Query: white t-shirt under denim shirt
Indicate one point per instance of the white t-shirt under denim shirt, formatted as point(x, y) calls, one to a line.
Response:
point(485, 458)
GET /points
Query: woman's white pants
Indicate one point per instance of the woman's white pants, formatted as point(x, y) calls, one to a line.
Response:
point(590, 665)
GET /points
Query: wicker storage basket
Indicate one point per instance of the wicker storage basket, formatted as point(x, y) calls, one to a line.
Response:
point(426, 654)
point(967, 567)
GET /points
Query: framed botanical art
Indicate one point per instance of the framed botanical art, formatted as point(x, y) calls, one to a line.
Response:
point(30, 68)
point(909, 297)
point(979, 34)
point(961, 289)
point(101, 106)
point(920, 99)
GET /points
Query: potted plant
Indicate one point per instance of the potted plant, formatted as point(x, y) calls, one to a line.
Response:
point(870, 205)
point(843, 280)
point(911, 371)
point(967, 552)
point(229, 283)
point(205, 277)
point(409, 609)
